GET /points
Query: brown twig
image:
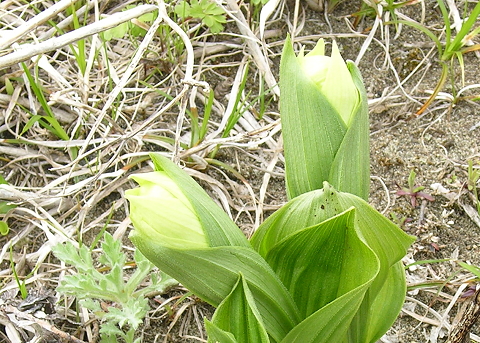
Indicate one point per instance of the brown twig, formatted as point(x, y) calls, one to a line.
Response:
point(461, 331)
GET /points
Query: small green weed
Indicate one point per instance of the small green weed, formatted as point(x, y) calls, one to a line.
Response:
point(47, 121)
point(129, 27)
point(211, 15)
point(120, 304)
point(414, 191)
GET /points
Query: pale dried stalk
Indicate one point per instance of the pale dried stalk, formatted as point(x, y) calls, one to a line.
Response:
point(27, 51)
point(33, 23)
point(252, 42)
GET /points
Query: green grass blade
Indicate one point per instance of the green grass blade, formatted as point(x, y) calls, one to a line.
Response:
point(446, 20)
point(426, 31)
point(55, 128)
point(458, 42)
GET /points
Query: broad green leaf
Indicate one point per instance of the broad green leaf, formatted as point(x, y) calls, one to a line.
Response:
point(331, 322)
point(238, 315)
point(323, 262)
point(312, 130)
point(116, 32)
point(217, 335)
point(386, 240)
point(5, 207)
point(211, 274)
point(380, 309)
point(381, 235)
point(219, 228)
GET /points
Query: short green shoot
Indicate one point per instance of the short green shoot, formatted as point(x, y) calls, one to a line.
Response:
point(20, 283)
point(79, 51)
point(119, 302)
point(5, 207)
point(400, 221)
point(199, 130)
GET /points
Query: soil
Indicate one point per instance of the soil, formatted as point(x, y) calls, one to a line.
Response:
point(436, 144)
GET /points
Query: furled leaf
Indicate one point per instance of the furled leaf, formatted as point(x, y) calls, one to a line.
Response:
point(318, 144)
point(219, 228)
point(238, 315)
point(350, 170)
point(323, 262)
point(312, 129)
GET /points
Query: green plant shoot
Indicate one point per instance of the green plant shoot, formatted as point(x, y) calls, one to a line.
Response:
point(326, 267)
point(324, 112)
point(323, 268)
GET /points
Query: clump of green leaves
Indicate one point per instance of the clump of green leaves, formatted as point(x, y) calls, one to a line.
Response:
point(207, 11)
point(120, 304)
point(325, 267)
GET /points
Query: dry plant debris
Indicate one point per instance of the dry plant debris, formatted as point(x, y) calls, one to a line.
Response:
point(92, 109)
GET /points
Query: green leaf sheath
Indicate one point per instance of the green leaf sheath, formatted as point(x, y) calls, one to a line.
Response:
point(238, 315)
point(350, 170)
point(312, 130)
